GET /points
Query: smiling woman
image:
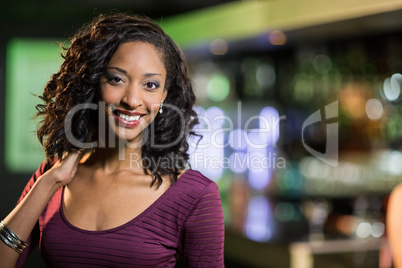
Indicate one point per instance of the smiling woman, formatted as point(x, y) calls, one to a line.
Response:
point(130, 201)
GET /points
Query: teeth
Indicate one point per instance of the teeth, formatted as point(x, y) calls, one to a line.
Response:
point(128, 118)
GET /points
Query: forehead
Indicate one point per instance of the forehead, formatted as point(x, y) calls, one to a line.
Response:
point(137, 53)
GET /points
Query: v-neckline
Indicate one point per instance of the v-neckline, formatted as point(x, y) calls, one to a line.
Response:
point(158, 201)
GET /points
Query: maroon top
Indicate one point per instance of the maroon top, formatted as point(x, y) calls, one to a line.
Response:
point(186, 221)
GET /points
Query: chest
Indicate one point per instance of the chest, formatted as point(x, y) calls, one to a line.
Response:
point(95, 206)
point(144, 241)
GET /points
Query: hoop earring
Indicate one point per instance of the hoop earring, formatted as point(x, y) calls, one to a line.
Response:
point(161, 108)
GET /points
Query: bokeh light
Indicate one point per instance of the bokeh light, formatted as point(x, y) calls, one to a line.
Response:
point(322, 64)
point(377, 229)
point(374, 109)
point(259, 177)
point(219, 47)
point(265, 75)
point(269, 125)
point(363, 230)
point(238, 162)
point(259, 219)
point(237, 139)
point(218, 87)
point(392, 87)
point(206, 154)
point(390, 162)
point(284, 211)
point(277, 38)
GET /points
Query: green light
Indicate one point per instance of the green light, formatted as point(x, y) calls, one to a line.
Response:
point(284, 211)
point(218, 87)
point(229, 21)
point(237, 20)
point(30, 63)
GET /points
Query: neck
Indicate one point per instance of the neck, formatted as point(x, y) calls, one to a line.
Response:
point(115, 159)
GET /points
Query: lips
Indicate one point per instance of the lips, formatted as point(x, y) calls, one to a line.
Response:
point(127, 119)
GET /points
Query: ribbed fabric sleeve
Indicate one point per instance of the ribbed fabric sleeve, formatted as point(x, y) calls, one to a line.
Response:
point(186, 220)
point(203, 233)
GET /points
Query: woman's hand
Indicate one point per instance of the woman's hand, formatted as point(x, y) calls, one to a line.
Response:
point(24, 216)
point(64, 170)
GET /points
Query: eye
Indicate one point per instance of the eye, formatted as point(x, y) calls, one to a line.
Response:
point(151, 85)
point(114, 79)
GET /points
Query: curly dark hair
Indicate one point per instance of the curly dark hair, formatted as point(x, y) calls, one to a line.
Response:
point(78, 82)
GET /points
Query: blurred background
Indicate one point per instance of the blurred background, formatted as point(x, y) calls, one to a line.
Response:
point(299, 102)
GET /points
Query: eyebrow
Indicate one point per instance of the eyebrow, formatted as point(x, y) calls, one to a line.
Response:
point(118, 69)
point(125, 72)
point(151, 74)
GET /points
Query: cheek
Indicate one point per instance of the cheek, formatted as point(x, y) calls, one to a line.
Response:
point(108, 96)
point(153, 100)
point(153, 103)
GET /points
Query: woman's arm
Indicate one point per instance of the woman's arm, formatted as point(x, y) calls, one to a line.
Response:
point(24, 216)
point(394, 224)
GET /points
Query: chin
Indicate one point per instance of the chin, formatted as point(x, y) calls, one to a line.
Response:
point(124, 137)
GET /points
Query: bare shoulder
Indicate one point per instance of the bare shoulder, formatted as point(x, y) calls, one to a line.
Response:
point(394, 209)
point(396, 196)
point(394, 223)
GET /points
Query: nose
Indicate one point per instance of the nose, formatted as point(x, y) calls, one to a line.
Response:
point(132, 97)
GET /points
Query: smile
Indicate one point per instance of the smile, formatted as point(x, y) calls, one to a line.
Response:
point(127, 119)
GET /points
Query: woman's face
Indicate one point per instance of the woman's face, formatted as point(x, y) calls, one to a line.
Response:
point(133, 89)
